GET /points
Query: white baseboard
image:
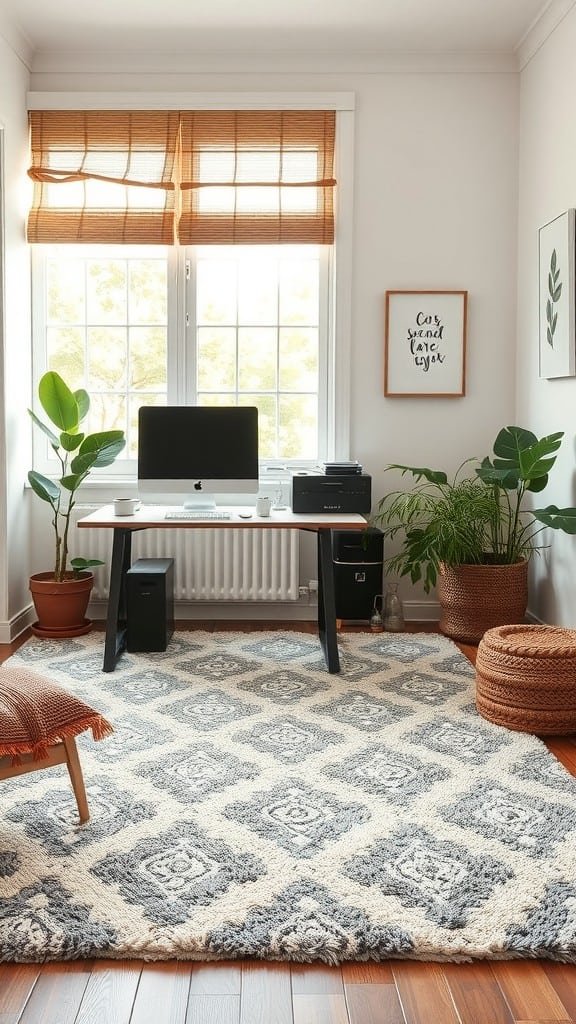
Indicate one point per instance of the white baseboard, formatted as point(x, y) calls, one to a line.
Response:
point(11, 628)
point(421, 611)
point(283, 611)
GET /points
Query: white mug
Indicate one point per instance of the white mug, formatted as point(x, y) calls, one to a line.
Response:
point(263, 505)
point(126, 506)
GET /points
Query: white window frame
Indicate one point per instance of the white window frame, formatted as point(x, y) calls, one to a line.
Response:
point(335, 347)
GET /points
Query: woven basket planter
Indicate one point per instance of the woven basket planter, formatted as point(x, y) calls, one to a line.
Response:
point(526, 678)
point(474, 598)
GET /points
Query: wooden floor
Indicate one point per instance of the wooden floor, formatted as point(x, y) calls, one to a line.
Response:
point(247, 992)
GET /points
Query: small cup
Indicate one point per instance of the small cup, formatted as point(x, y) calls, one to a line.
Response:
point(263, 506)
point(126, 506)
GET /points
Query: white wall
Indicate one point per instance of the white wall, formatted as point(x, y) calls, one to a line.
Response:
point(547, 187)
point(14, 346)
point(435, 207)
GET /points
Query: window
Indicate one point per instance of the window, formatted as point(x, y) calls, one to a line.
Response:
point(205, 271)
point(251, 329)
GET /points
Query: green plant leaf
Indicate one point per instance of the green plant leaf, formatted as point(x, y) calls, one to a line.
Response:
point(501, 476)
point(83, 462)
point(72, 481)
point(45, 430)
point(105, 445)
point(549, 337)
point(536, 459)
point(83, 401)
point(434, 476)
point(511, 441)
point(539, 484)
point(85, 563)
point(557, 293)
point(58, 402)
point(554, 321)
point(70, 442)
point(548, 311)
point(557, 518)
point(43, 487)
point(553, 259)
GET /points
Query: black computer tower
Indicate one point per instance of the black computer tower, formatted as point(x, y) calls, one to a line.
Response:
point(150, 604)
point(358, 558)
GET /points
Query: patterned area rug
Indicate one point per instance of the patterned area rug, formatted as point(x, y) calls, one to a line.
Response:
point(250, 804)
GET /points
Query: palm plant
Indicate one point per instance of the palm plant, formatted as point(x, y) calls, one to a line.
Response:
point(475, 519)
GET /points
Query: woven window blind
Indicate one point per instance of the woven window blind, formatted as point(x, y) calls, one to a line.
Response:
point(206, 177)
point(257, 176)
point(103, 176)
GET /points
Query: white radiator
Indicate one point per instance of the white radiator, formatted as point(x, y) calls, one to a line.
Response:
point(209, 565)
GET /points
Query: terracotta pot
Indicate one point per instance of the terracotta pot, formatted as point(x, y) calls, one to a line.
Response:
point(474, 598)
point(61, 607)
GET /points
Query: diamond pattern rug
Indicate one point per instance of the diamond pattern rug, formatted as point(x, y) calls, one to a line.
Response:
point(249, 804)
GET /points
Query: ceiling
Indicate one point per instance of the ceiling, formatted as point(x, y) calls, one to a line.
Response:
point(191, 26)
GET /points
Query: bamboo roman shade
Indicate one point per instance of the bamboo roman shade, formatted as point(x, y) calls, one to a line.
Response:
point(257, 176)
point(195, 177)
point(103, 176)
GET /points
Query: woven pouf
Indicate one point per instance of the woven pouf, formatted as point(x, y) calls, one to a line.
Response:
point(526, 678)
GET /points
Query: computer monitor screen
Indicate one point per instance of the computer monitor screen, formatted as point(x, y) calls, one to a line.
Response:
point(198, 452)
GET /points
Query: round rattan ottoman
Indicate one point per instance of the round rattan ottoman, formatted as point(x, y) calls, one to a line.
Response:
point(526, 678)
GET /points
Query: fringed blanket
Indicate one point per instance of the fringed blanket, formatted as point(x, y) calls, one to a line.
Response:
point(36, 713)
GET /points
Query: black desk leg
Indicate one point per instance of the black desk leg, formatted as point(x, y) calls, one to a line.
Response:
point(115, 641)
point(327, 601)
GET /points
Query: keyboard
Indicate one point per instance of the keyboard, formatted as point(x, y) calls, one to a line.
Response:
point(186, 515)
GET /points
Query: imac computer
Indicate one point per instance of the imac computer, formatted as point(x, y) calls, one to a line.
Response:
point(196, 452)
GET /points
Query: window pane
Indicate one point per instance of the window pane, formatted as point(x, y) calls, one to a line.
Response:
point(107, 292)
point(267, 423)
point(147, 299)
point(299, 286)
point(216, 292)
point(65, 354)
point(298, 359)
point(65, 303)
point(107, 358)
point(134, 403)
point(258, 292)
point(298, 426)
point(216, 358)
point(148, 359)
point(108, 412)
point(257, 359)
point(219, 400)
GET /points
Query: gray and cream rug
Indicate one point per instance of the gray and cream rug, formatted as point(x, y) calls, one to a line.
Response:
point(250, 804)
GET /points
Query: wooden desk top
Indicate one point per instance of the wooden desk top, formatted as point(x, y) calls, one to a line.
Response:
point(153, 517)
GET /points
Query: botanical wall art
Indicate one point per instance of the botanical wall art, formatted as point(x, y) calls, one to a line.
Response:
point(425, 348)
point(557, 299)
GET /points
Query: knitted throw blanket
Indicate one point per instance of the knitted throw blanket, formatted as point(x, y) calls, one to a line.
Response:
point(36, 713)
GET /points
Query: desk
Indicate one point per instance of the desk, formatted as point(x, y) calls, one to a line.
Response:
point(153, 517)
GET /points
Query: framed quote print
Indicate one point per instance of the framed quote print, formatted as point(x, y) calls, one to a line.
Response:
point(425, 344)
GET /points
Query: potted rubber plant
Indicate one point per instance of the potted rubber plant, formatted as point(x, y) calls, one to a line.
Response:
point(472, 535)
point(61, 595)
